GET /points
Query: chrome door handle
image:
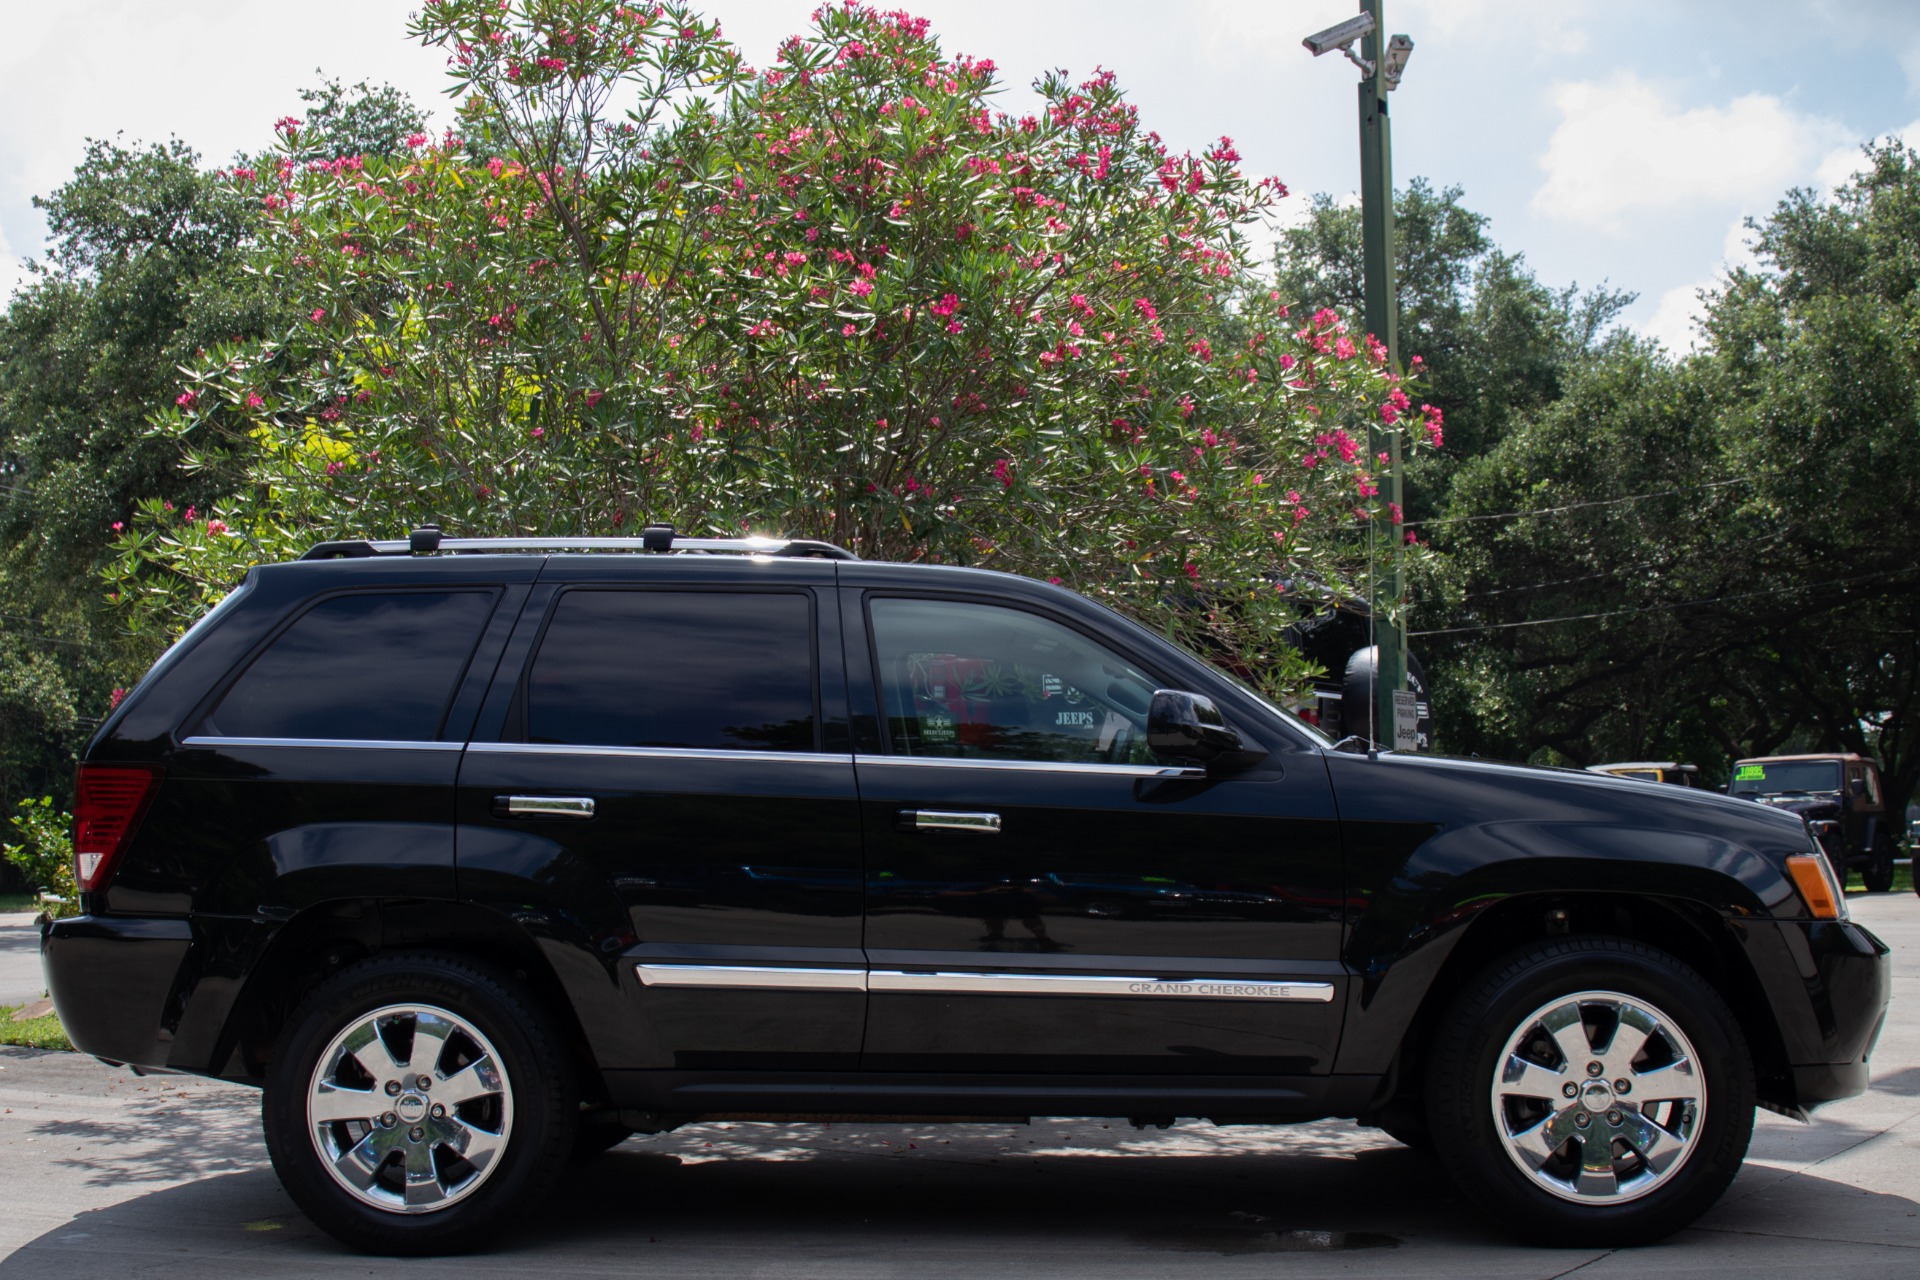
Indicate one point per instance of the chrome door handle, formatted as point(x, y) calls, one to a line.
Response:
point(986, 824)
point(544, 806)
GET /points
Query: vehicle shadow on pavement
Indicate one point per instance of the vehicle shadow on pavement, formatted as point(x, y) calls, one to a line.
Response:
point(883, 1200)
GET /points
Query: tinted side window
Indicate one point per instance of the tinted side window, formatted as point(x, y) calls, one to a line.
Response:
point(976, 681)
point(378, 666)
point(697, 669)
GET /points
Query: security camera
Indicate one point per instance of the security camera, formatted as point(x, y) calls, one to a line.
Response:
point(1394, 61)
point(1339, 37)
point(1342, 38)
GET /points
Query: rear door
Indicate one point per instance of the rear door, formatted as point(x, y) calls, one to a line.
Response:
point(665, 796)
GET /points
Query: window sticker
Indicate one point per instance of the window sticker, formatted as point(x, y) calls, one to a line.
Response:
point(1751, 773)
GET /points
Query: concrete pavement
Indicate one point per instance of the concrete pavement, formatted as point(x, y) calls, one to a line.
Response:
point(108, 1174)
point(20, 978)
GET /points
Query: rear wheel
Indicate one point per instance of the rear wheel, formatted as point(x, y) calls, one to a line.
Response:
point(1877, 875)
point(1591, 1092)
point(415, 1102)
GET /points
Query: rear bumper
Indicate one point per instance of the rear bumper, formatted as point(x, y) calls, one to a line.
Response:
point(114, 983)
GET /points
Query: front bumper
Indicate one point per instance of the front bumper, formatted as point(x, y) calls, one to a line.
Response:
point(1844, 979)
point(114, 983)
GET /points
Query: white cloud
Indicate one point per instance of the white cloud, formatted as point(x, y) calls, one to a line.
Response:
point(1842, 163)
point(13, 272)
point(1624, 147)
point(1676, 318)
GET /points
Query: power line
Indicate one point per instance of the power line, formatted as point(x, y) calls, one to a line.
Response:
point(1578, 506)
point(1657, 608)
point(1560, 582)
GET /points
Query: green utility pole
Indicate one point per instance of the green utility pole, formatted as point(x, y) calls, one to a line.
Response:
point(1383, 321)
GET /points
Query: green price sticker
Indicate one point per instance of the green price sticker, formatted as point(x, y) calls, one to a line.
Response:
point(1751, 773)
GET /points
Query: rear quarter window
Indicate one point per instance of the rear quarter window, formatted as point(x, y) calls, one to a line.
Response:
point(372, 666)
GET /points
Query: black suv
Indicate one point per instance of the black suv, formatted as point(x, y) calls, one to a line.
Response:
point(1838, 794)
point(479, 855)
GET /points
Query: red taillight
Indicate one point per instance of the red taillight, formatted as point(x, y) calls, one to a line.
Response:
point(109, 801)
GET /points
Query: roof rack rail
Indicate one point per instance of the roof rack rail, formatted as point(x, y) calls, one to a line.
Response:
point(655, 539)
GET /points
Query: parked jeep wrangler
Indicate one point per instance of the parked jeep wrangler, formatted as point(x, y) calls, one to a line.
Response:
point(1839, 796)
point(477, 854)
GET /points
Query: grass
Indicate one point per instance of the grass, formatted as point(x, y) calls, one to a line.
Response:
point(44, 1032)
point(13, 903)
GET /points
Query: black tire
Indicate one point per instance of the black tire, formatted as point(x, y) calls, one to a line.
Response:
point(1877, 875)
point(533, 1111)
point(1499, 1005)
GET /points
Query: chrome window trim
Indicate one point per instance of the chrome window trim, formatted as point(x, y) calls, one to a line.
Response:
point(1072, 984)
point(374, 744)
point(657, 753)
point(750, 977)
point(1039, 766)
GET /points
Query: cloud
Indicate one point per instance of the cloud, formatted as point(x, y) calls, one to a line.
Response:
point(1625, 147)
point(1842, 163)
point(1676, 317)
point(13, 271)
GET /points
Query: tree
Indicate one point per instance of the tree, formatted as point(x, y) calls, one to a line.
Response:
point(149, 267)
point(1495, 345)
point(840, 297)
point(1719, 562)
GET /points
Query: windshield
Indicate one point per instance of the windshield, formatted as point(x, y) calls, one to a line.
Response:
point(1775, 777)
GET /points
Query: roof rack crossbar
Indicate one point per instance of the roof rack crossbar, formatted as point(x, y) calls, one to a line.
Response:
point(788, 547)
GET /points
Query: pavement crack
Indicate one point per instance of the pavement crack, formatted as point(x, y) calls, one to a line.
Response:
point(1583, 1266)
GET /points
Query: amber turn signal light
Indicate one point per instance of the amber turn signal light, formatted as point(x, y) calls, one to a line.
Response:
point(1815, 882)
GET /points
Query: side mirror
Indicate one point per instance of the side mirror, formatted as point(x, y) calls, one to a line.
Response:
point(1858, 786)
point(1188, 726)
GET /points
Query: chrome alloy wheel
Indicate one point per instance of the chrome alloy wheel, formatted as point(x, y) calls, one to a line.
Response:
point(1598, 1097)
point(410, 1108)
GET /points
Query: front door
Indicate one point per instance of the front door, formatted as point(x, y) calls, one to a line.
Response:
point(1044, 895)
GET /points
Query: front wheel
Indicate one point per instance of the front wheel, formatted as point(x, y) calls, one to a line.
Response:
point(1591, 1092)
point(415, 1102)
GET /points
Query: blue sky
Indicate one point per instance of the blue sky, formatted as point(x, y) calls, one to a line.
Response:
point(1616, 140)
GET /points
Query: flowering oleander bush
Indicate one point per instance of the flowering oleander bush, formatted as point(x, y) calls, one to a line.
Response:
point(838, 297)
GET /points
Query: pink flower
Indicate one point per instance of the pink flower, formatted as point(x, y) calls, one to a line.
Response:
point(1192, 570)
point(945, 307)
point(190, 514)
point(861, 288)
point(593, 398)
point(253, 400)
point(849, 330)
point(1343, 348)
point(117, 696)
point(335, 468)
point(1003, 472)
point(319, 314)
point(216, 526)
point(185, 399)
point(538, 432)
point(954, 326)
point(1145, 308)
point(118, 526)
point(1394, 509)
point(416, 140)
